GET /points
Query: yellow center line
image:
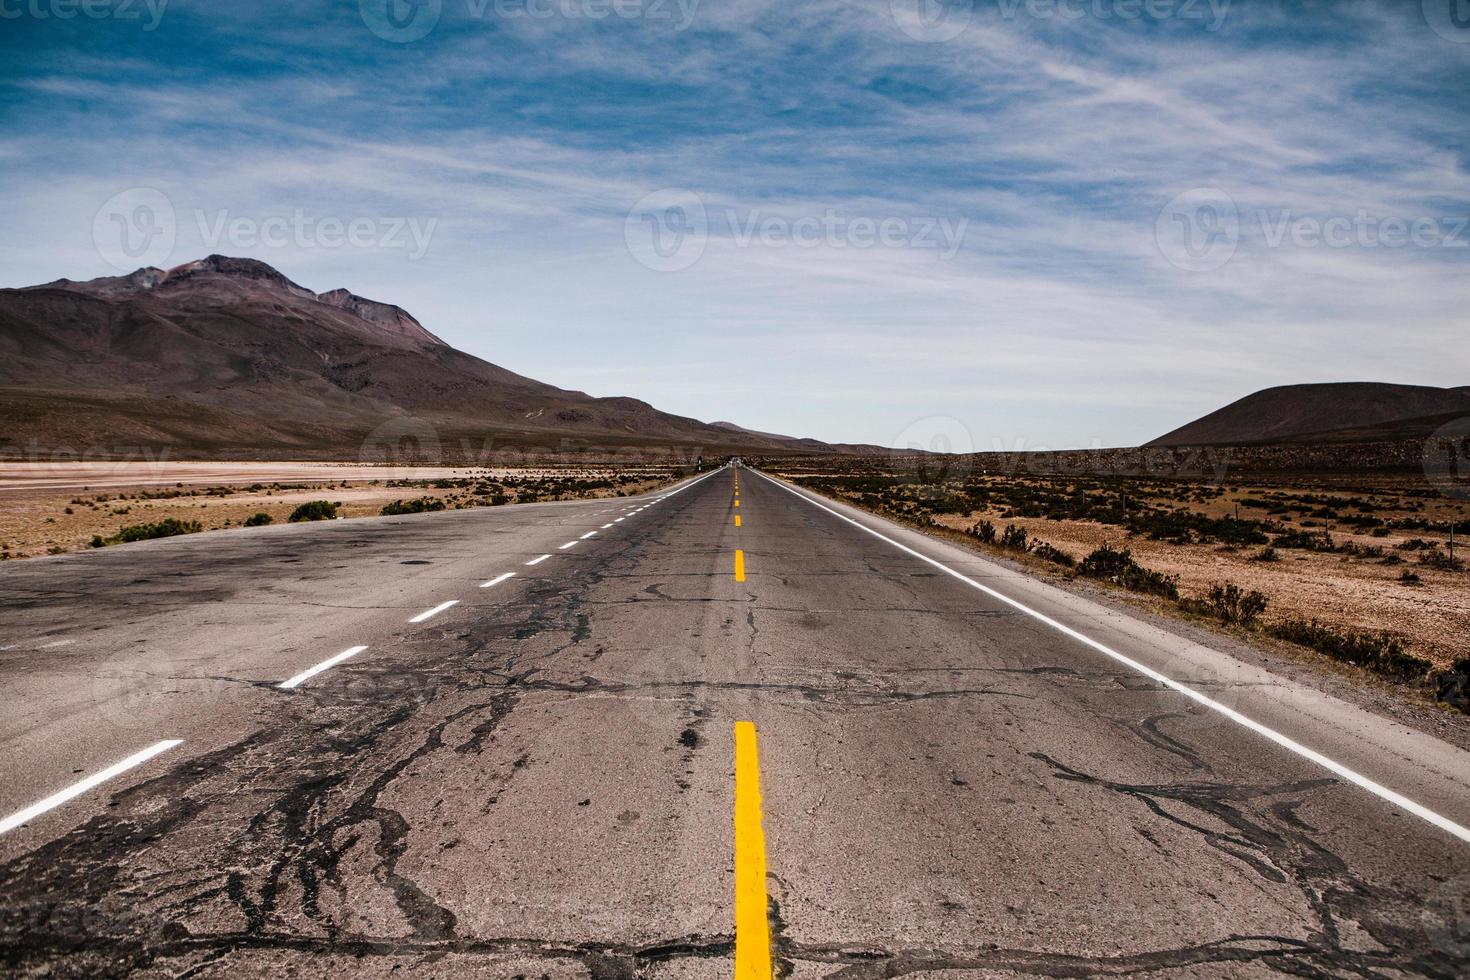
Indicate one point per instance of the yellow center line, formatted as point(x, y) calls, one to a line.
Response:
point(752, 926)
point(739, 565)
point(737, 501)
point(737, 520)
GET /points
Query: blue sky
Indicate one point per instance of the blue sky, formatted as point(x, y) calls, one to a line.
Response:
point(1019, 224)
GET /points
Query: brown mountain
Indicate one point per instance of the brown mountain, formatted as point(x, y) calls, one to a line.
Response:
point(1358, 411)
point(227, 357)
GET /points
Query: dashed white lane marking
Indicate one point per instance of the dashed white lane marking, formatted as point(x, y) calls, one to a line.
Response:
point(564, 547)
point(77, 789)
point(1285, 741)
point(22, 817)
point(435, 611)
point(620, 520)
point(586, 536)
point(327, 664)
point(605, 526)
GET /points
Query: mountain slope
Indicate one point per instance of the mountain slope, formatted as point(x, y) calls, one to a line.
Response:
point(228, 356)
point(1339, 412)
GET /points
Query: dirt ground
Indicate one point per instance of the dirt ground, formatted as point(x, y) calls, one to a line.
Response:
point(53, 508)
point(1433, 616)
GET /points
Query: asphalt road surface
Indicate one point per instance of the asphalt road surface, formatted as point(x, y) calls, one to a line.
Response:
point(683, 745)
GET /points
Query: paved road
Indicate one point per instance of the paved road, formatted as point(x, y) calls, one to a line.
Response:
point(551, 777)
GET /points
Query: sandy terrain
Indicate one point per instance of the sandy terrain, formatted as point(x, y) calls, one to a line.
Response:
point(50, 508)
point(1433, 617)
point(144, 473)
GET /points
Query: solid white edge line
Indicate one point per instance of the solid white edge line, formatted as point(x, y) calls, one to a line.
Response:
point(434, 612)
point(497, 579)
point(586, 536)
point(55, 800)
point(327, 664)
point(692, 483)
point(537, 561)
point(1285, 741)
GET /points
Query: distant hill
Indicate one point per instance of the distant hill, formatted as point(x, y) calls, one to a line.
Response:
point(1358, 411)
point(793, 442)
point(226, 356)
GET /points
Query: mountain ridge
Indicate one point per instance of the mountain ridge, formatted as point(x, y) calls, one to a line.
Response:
point(1344, 411)
point(229, 356)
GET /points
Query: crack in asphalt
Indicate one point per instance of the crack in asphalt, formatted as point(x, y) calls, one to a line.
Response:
point(286, 827)
point(318, 828)
point(838, 696)
point(1266, 835)
point(871, 964)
